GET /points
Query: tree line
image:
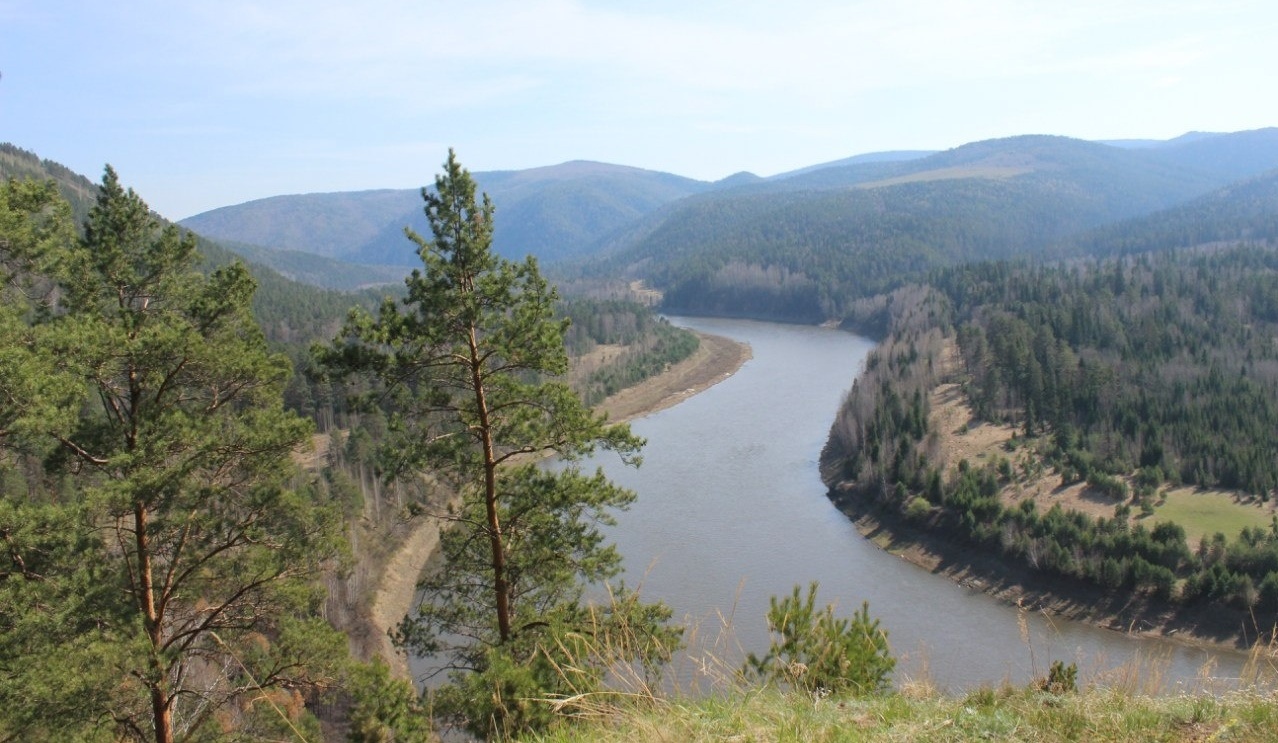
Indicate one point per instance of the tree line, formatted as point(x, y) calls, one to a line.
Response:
point(167, 564)
point(161, 549)
point(805, 249)
point(1128, 374)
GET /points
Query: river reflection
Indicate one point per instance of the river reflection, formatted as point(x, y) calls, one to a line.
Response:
point(731, 511)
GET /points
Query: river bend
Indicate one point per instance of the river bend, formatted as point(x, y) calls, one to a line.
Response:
point(732, 510)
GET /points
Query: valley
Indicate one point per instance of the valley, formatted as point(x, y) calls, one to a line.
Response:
point(1065, 395)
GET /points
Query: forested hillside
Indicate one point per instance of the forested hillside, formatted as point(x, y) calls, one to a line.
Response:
point(316, 270)
point(332, 225)
point(295, 313)
point(799, 246)
point(803, 248)
point(1226, 156)
point(79, 191)
point(804, 256)
point(290, 312)
point(179, 544)
point(1242, 211)
point(1133, 376)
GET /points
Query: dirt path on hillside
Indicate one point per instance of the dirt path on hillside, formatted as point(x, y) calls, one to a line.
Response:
point(716, 359)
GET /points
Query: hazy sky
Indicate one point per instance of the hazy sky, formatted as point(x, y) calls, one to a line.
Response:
point(203, 104)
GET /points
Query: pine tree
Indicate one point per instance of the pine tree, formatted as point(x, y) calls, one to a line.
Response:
point(35, 224)
point(45, 627)
point(467, 369)
point(812, 649)
point(196, 549)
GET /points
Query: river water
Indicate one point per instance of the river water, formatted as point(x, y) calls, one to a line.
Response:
point(732, 510)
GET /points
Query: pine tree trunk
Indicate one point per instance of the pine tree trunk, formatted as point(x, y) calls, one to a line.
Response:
point(500, 589)
point(161, 712)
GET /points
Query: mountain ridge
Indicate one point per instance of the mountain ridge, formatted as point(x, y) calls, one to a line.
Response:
point(802, 252)
point(905, 211)
point(578, 208)
point(558, 210)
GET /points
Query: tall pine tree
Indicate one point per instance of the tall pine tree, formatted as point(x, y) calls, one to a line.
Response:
point(467, 369)
point(189, 558)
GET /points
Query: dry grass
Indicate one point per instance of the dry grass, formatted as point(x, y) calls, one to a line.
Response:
point(960, 435)
point(597, 358)
point(1113, 708)
point(643, 294)
point(1122, 704)
point(312, 458)
point(1003, 714)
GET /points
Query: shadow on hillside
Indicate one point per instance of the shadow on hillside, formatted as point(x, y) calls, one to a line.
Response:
point(1035, 590)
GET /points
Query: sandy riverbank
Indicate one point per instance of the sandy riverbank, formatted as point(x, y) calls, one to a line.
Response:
point(716, 359)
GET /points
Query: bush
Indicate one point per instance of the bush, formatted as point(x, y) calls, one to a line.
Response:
point(813, 650)
point(918, 508)
point(1061, 679)
point(574, 650)
point(384, 708)
point(508, 697)
point(1113, 487)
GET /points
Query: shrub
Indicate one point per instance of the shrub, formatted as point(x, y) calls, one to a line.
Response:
point(515, 689)
point(813, 650)
point(1061, 679)
point(918, 508)
point(384, 708)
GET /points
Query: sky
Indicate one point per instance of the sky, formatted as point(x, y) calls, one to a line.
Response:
point(199, 104)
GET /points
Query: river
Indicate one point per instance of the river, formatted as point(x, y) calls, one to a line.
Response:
point(732, 510)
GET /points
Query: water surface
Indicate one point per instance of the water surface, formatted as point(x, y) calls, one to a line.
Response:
point(731, 510)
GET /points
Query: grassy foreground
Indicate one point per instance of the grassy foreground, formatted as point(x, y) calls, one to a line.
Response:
point(1009, 714)
point(1129, 703)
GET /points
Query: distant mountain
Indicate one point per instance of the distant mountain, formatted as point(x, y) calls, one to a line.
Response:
point(316, 270)
point(743, 178)
point(1246, 211)
point(1226, 157)
point(1137, 144)
point(784, 251)
point(894, 156)
point(1112, 183)
point(1132, 144)
point(326, 224)
point(553, 212)
point(798, 245)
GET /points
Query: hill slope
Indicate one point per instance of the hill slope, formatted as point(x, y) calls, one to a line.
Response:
point(326, 224)
point(552, 212)
point(290, 312)
point(795, 246)
point(800, 248)
point(1242, 211)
